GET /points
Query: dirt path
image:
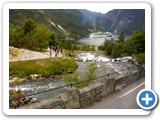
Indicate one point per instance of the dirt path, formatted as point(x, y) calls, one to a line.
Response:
point(16, 54)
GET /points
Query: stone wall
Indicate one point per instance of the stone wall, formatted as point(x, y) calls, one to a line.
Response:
point(72, 98)
point(90, 94)
point(130, 78)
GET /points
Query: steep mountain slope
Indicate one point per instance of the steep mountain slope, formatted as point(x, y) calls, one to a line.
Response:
point(70, 22)
point(93, 16)
point(75, 24)
point(127, 20)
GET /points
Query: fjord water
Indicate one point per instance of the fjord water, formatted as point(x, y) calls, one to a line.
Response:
point(97, 41)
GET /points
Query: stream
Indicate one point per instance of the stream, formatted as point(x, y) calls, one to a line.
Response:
point(105, 65)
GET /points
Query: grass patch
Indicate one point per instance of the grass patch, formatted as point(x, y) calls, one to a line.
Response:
point(16, 82)
point(140, 57)
point(44, 67)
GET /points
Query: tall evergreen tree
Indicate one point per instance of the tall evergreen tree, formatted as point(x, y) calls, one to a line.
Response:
point(121, 37)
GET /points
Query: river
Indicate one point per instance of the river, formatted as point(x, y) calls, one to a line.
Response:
point(105, 65)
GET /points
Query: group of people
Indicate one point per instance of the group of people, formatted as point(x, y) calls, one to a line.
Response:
point(55, 49)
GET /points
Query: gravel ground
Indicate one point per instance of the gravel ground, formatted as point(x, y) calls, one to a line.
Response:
point(24, 54)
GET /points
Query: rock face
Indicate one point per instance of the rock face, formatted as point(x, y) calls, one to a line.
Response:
point(127, 20)
point(20, 102)
point(79, 23)
point(66, 22)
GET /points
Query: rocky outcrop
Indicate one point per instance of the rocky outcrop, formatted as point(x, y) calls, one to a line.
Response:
point(14, 103)
point(127, 20)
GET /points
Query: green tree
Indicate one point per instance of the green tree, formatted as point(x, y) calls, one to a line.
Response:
point(12, 31)
point(129, 46)
point(41, 36)
point(108, 47)
point(138, 38)
point(121, 37)
point(15, 35)
point(74, 47)
point(117, 50)
point(89, 74)
point(53, 39)
point(28, 25)
point(136, 43)
point(83, 81)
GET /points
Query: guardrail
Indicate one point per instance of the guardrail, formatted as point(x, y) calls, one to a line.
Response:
point(69, 85)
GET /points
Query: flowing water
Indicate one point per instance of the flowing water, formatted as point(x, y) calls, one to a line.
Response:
point(105, 65)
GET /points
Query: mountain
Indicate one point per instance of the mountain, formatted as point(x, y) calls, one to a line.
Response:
point(78, 23)
point(93, 16)
point(127, 20)
point(66, 22)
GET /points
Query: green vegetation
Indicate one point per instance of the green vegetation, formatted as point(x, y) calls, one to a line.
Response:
point(121, 37)
point(43, 67)
point(30, 35)
point(38, 37)
point(68, 45)
point(87, 77)
point(133, 46)
point(16, 82)
point(72, 20)
point(140, 57)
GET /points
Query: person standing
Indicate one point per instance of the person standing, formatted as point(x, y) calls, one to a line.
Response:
point(50, 50)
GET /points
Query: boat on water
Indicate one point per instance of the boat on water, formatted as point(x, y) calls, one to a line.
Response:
point(100, 35)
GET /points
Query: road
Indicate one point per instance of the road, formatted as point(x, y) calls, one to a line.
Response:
point(123, 99)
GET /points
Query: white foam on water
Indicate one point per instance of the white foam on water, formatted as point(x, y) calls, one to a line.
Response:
point(92, 57)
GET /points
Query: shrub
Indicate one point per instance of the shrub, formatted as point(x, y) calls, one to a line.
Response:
point(82, 81)
point(140, 57)
point(43, 67)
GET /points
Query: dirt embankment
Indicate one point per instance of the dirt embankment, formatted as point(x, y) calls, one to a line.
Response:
point(16, 54)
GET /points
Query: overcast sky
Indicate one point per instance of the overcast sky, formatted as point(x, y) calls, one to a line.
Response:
point(102, 10)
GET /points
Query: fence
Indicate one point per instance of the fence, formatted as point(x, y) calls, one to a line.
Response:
point(71, 84)
point(85, 96)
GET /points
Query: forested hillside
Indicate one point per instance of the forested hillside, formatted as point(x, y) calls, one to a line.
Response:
point(70, 23)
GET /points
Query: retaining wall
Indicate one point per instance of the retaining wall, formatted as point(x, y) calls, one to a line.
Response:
point(72, 98)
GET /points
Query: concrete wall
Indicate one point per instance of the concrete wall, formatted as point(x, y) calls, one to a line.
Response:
point(72, 98)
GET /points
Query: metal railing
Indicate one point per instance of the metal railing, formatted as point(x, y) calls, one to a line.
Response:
point(69, 85)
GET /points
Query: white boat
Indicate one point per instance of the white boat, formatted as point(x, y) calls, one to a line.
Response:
point(100, 34)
